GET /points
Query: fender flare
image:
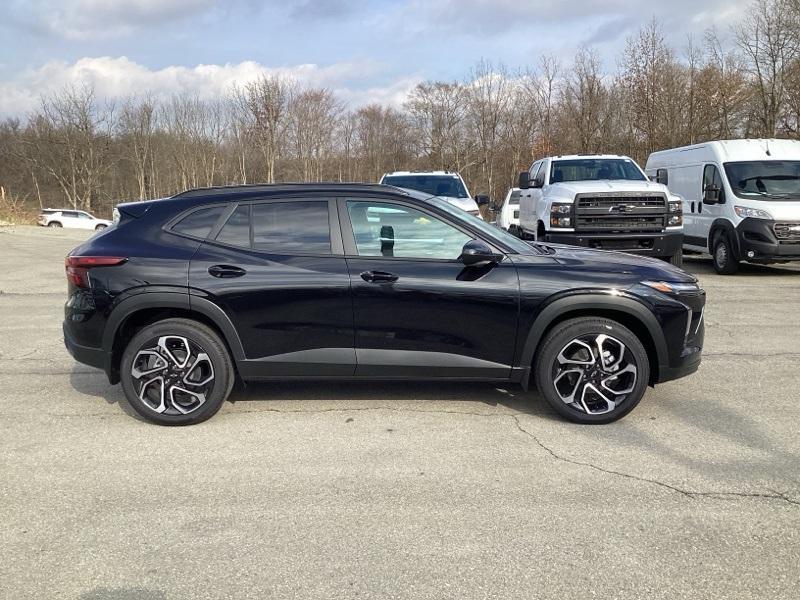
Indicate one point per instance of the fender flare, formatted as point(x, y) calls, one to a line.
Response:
point(729, 228)
point(555, 309)
point(180, 300)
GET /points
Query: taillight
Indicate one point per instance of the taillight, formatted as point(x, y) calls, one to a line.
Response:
point(77, 267)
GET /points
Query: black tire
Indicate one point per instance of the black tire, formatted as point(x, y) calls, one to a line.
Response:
point(550, 376)
point(100, 227)
point(725, 261)
point(201, 340)
point(54, 224)
point(676, 260)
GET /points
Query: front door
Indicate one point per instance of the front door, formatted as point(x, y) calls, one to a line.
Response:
point(418, 311)
point(281, 277)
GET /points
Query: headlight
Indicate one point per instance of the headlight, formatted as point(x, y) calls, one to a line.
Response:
point(675, 213)
point(560, 215)
point(755, 213)
point(670, 287)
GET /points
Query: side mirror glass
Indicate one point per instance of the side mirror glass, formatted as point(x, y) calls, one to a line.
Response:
point(711, 194)
point(476, 253)
point(481, 199)
point(524, 180)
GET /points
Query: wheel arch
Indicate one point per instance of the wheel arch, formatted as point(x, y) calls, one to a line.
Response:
point(144, 309)
point(725, 225)
point(627, 311)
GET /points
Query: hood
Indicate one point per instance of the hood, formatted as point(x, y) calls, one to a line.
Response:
point(466, 204)
point(569, 189)
point(780, 210)
point(640, 268)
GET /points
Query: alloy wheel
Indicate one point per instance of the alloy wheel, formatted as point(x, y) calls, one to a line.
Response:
point(172, 375)
point(594, 374)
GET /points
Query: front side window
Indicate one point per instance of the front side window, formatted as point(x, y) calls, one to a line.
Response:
point(764, 179)
point(595, 169)
point(446, 186)
point(398, 231)
point(298, 227)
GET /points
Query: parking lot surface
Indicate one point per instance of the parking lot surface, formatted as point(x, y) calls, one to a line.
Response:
point(367, 490)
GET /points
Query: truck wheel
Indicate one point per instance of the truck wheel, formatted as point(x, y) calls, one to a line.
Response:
point(592, 370)
point(176, 372)
point(725, 262)
point(676, 259)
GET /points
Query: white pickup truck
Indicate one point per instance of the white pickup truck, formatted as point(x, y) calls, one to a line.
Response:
point(600, 201)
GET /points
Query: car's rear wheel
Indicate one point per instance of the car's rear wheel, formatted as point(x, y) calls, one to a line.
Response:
point(176, 372)
point(592, 370)
point(100, 227)
point(54, 224)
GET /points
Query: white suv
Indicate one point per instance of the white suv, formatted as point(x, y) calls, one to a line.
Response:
point(71, 219)
point(444, 184)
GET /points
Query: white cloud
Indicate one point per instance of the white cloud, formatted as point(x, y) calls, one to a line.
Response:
point(120, 77)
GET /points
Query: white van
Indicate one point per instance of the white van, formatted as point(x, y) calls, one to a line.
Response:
point(507, 214)
point(741, 198)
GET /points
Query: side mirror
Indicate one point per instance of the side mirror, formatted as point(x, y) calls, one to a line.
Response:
point(481, 199)
point(662, 176)
point(524, 180)
point(477, 253)
point(711, 194)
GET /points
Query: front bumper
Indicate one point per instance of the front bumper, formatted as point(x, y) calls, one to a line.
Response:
point(661, 245)
point(759, 243)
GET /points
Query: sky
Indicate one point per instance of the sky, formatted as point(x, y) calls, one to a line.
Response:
point(365, 50)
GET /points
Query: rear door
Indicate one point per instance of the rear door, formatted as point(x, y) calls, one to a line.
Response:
point(276, 267)
point(419, 312)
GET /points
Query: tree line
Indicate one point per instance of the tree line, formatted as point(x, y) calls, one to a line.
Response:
point(78, 150)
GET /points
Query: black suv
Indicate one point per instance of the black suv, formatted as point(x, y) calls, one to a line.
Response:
point(331, 281)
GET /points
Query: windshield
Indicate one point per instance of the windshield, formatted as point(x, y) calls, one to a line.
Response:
point(447, 186)
point(595, 169)
point(770, 179)
point(513, 242)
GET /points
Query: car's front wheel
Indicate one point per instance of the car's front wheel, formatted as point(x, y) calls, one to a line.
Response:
point(592, 370)
point(176, 372)
point(725, 262)
point(100, 227)
point(54, 224)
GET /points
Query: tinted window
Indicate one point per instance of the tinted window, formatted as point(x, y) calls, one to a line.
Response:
point(291, 227)
point(447, 186)
point(770, 179)
point(594, 169)
point(236, 230)
point(394, 230)
point(198, 223)
point(514, 199)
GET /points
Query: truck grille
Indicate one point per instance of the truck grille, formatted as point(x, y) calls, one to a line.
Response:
point(618, 213)
point(787, 233)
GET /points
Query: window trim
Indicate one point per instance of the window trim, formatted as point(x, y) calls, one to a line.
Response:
point(333, 225)
point(348, 237)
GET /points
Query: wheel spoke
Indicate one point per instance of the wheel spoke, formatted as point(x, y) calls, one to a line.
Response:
point(153, 360)
point(195, 400)
point(168, 346)
point(576, 346)
point(616, 377)
point(201, 372)
point(608, 361)
point(158, 383)
point(569, 398)
point(610, 404)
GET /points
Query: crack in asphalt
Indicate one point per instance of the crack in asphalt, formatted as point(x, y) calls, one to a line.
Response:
point(772, 495)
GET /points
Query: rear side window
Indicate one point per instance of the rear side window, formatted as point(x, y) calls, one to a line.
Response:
point(199, 223)
point(236, 230)
point(291, 227)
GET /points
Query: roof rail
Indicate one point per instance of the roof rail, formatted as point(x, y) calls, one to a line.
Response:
point(279, 187)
